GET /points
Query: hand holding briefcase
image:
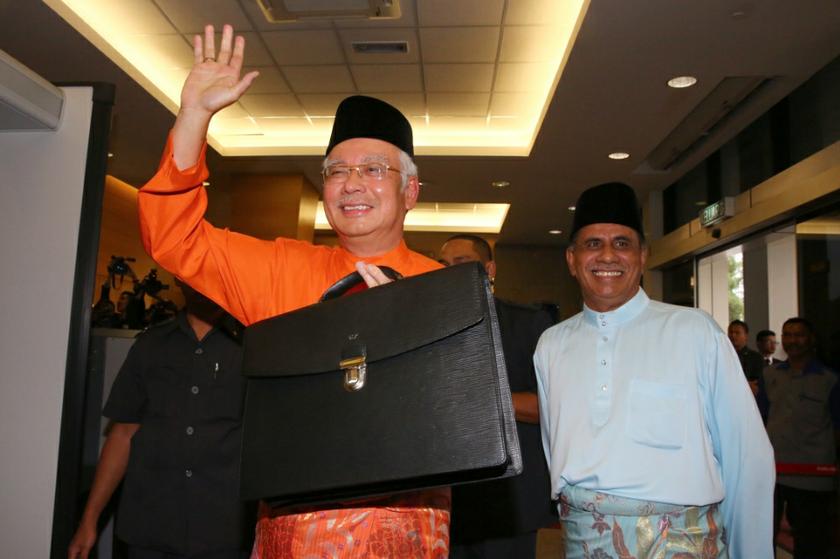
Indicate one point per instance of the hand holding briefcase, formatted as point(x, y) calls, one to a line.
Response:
point(395, 388)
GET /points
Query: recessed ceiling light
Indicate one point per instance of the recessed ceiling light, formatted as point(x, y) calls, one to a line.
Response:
point(205, 183)
point(681, 82)
point(110, 154)
point(618, 155)
point(500, 184)
point(572, 208)
point(555, 231)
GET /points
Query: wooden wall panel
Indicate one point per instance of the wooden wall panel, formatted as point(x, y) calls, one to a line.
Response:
point(120, 236)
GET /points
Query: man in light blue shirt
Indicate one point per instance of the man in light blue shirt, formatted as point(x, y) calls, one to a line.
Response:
point(652, 436)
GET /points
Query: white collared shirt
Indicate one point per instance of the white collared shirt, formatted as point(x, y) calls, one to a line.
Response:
point(648, 401)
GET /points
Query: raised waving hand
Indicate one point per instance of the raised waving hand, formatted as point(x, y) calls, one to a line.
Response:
point(213, 84)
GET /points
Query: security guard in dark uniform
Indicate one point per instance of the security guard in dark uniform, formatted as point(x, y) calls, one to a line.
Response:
point(501, 518)
point(175, 437)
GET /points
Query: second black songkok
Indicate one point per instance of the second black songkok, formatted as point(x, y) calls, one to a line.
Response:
point(611, 202)
point(365, 117)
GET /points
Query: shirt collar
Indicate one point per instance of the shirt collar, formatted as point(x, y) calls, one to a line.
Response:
point(625, 313)
point(184, 326)
point(396, 258)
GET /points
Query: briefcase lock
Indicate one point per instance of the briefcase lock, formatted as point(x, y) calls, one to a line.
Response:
point(355, 372)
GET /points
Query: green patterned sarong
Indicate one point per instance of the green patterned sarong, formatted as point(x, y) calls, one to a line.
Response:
point(601, 526)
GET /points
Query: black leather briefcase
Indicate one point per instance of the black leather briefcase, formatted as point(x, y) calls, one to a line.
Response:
point(394, 388)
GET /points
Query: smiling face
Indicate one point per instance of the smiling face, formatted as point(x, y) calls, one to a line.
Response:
point(797, 341)
point(368, 214)
point(607, 260)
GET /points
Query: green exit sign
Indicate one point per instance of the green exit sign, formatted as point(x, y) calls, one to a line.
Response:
point(717, 212)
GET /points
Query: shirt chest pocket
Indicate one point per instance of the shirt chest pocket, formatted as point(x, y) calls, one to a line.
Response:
point(656, 414)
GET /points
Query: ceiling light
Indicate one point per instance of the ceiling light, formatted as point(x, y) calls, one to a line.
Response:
point(500, 184)
point(681, 82)
point(618, 155)
point(205, 183)
point(555, 231)
point(110, 154)
point(572, 208)
point(444, 217)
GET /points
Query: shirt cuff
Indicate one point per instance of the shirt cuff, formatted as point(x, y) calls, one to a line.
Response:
point(170, 179)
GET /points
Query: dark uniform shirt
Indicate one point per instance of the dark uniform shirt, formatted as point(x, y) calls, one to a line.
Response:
point(181, 488)
point(521, 504)
point(751, 362)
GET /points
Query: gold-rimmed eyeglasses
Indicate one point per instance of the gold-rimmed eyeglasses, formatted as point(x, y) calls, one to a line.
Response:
point(341, 173)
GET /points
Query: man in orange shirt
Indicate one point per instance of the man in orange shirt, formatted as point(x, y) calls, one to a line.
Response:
point(370, 183)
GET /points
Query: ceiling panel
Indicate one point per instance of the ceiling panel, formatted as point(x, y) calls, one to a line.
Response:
point(319, 79)
point(388, 77)
point(433, 13)
point(532, 43)
point(410, 104)
point(321, 104)
point(269, 81)
point(532, 12)
point(271, 105)
point(458, 104)
point(519, 77)
point(509, 104)
point(304, 47)
point(459, 44)
point(458, 77)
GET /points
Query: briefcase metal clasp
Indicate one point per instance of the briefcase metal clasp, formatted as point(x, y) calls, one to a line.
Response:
point(355, 372)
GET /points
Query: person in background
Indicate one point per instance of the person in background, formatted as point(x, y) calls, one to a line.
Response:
point(766, 343)
point(751, 360)
point(174, 438)
point(501, 518)
point(370, 183)
point(801, 400)
point(653, 440)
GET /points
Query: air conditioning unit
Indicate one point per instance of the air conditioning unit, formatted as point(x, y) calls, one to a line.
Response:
point(279, 11)
point(27, 101)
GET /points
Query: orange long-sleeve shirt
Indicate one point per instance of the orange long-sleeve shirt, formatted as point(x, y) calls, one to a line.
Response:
point(255, 279)
point(251, 278)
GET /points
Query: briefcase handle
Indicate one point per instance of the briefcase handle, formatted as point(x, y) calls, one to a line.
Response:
point(354, 282)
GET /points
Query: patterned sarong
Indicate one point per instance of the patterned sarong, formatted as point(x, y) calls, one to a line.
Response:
point(407, 526)
point(601, 526)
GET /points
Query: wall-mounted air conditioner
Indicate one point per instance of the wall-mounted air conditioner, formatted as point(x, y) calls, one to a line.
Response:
point(27, 101)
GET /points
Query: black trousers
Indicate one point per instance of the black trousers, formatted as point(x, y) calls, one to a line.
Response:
point(809, 514)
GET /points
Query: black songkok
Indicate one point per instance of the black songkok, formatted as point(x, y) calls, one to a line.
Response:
point(611, 202)
point(365, 117)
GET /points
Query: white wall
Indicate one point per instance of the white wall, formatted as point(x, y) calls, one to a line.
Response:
point(41, 183)
point(713, 287)
point(782, 282)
